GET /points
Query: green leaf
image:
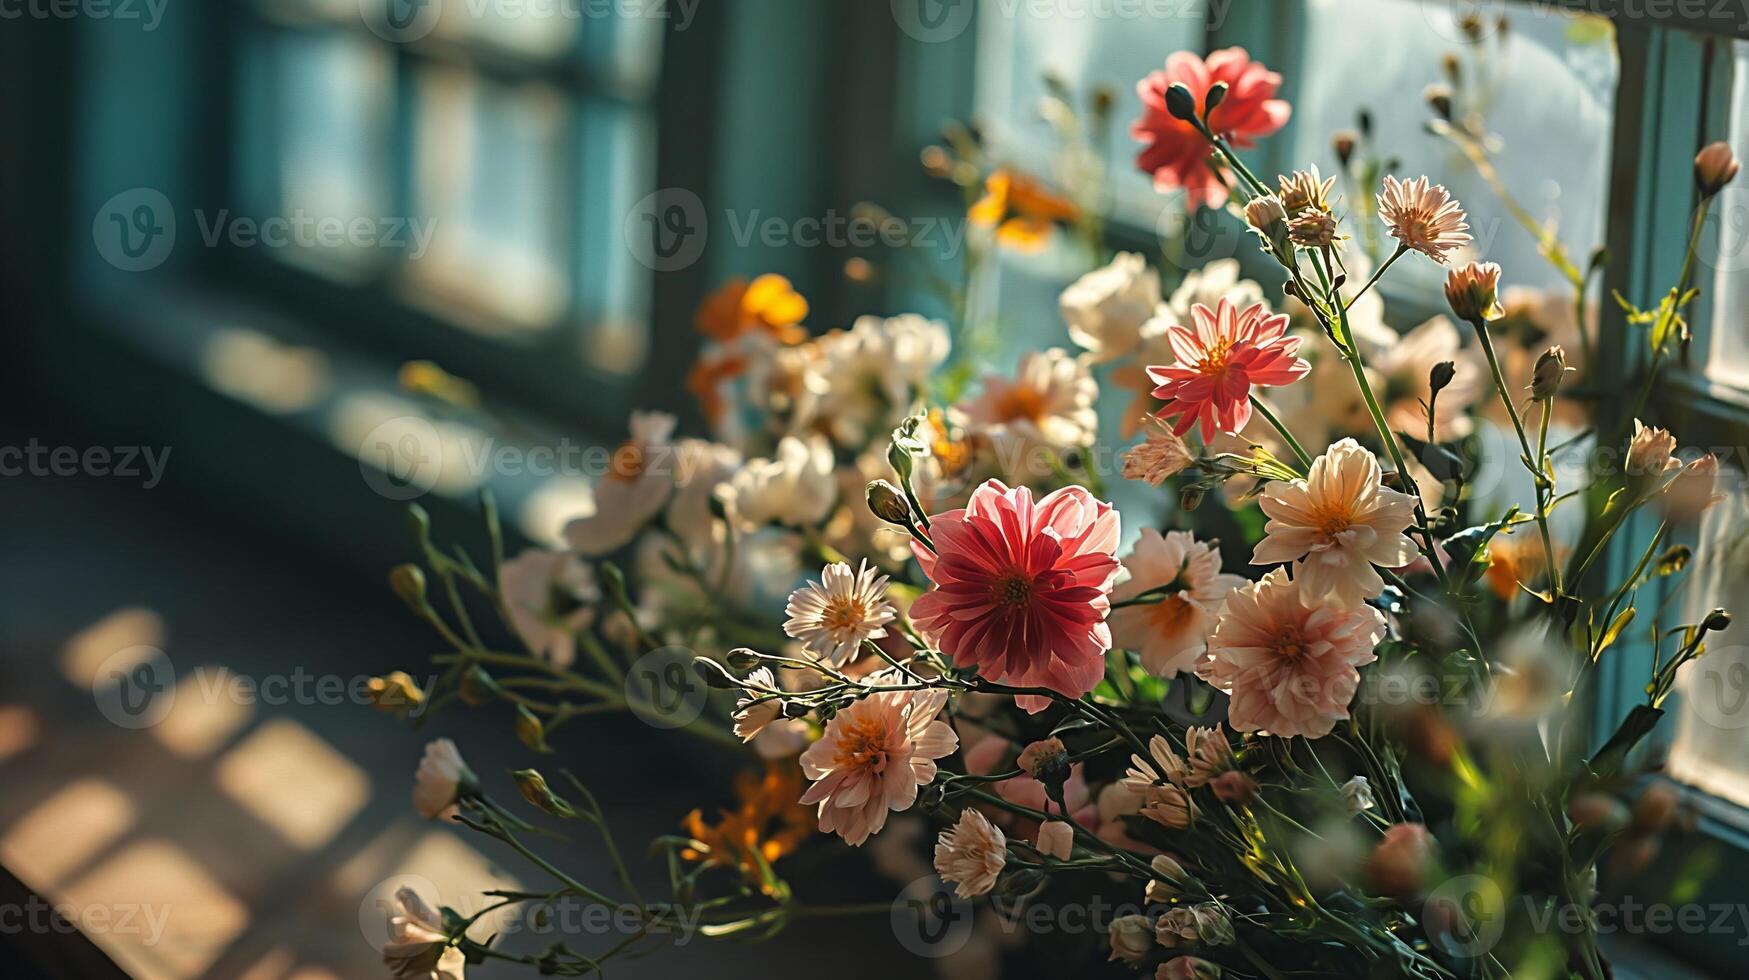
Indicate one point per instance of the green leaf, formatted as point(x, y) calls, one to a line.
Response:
point(1622, 619)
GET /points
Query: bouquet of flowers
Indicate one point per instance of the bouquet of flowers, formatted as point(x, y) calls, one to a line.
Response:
point(1224, 743)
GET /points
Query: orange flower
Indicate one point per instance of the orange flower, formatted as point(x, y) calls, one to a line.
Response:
point(768, 303)
point(705, 382)
point(1021, 210)
point(1514, 560)
point(767, 824)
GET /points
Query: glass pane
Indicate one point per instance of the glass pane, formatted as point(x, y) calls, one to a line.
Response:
point(1551, 149)
point(1727, 249)
point(1712, 733)
point(315, 158)
point(618, 152)
point(488, 161)
point(1087, 46)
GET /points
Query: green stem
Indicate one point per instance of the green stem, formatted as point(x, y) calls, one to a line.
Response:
point(1282, 430)
point(1533, 463)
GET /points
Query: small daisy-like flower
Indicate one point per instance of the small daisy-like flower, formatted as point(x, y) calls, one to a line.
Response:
point(1170, 635)
point(1207, 753)
point(1163, 763)
point(1169, 807)
point(1161, 456)
point(832, 617)
point(1049, 402)
point(1305, 190)
point(1342, 521)
point(1312, 229)
point(1423, 216)
point(971, 854)
point(1227, 353)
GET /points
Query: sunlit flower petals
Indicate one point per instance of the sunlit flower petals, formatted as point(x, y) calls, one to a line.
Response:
point(971, 854)
point(1170, 635)
point(1177, 155)
point(871, 759)
point(442, 779)
point(1219, 361)
point(1423, 216)
point(637, 484)
point(834, 616)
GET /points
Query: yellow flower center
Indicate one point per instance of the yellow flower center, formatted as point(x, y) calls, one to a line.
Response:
point(627, 464)
point(863, 744)
point(1288, 644)
point(841, 614)
point(1021, 402)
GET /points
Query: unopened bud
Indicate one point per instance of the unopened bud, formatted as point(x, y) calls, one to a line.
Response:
point(1551, 368)
point(1441, 376)
point(533, 787)
point(477, 687)
point(1235, 788)
point(1190, 498)
point(888, 503)
point(1343, 142)
point(394, 693)
point(530, 731)
point(408, 582)
point(1217, 95)
point(714, 674)
point(936, 162)
point(1438, 98)
point(742, 658)
point(1714, 167)
point(1716, 621)
point(1180, 103)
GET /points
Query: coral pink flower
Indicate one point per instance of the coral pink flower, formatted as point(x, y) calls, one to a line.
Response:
point(873, 757)
point(1022, 588)
point(1176, 154)
point(1219, 362)
point(1289, 663)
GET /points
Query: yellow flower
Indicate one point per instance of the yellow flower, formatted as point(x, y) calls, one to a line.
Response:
point(769, 303)
point(1021, 210)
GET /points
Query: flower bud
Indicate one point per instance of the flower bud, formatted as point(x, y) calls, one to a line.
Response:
point(1268, 216)
point(1180, 103)
point(1217, 95)
point(887, 502)
point(1473, 292)
point(1190, 498)
point(1188, 968)
point(1132, 938)
point(1650, 454)
point(1441, 376)
point(1716, 621)
point(408, 582)
point(1693, 489)
point(1235, 788)
point(1343, 142)
point(714, 674)
point(394, 693)
point(1545, 378)
point(1438, 98)
point(477, 687)
point(530, 731)
point(1714, 167)
point(419, 522)
point(936, 162)
point(1043, 755)
point(1399, 864)
point(1056, 838)
point(534, 789)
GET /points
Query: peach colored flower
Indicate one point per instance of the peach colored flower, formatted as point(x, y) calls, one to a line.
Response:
point(1473, 291)
point(1163, 455)
point(1132, 938)
point(1177, 155)
point(1693, 489)
point(1651, 454)
point(1305, 190)
point(1342, 521)
point(637, 484)
point(1048, 402)
point(1423, 216)
point(1022, 588)
point(1170, 635)
point(1714, 167)
point(1228, 352)
point(1056, 839)
point(834, 616)
point(873, 757)
point(1207, 753)
point(1289, 662)
point(755, 709)
point(971, 854)
point(442, 779)
point(548, 596)
point(418, 947)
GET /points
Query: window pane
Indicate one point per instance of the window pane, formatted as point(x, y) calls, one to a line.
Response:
point(1018, 43)
point(487, 166)
point(316, 113)
point(1712, 733)
point(1726, 248)
point(1551, 149)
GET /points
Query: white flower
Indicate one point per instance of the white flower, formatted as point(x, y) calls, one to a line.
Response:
point(1357, 795)
point(548, 597)
point(632, 491)
point(1342, 522)
point(1163, 455)
point(756, 709)
point(1132, 938)
point(798, 487)
point(872, 371)
point(1105, 308)
point(832, 617)
point(1170, 635)
point(442, 778)
point(1049, 403)
point(1056, 838)
point(971, 853)
point(784, 738)
point(417, 948)
point(1207, 286)
point(701, 467)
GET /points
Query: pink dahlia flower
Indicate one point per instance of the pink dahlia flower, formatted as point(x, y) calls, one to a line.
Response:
point(1289, 663)
point(1176, 154)
point(1022, 588)
point(1220, 361)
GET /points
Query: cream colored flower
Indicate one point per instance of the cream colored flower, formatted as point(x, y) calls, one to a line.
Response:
point(755, 709)
point(1194, 925)
point(1651, 455)
point(1170, 635)
point(1207, 753)
point(1423, 216)
point(1056, 838)
point(1162, 765)
point(702, 470)
point(1341, 521)
point(1473, 292)
point(1132, 938)
point(971, 854)
point(1305, 190)
point(418, 948)
point(548, 596)
point(1169, 807)
point(872, 373)
point(873, 757)
point(1106, 308)
point(832, 617)
point(1357, 795)
point(797, 487)
point(632, 492)
point(1693, 489)
point(1160, 457)
point(442, 779)
point(1049, 403)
